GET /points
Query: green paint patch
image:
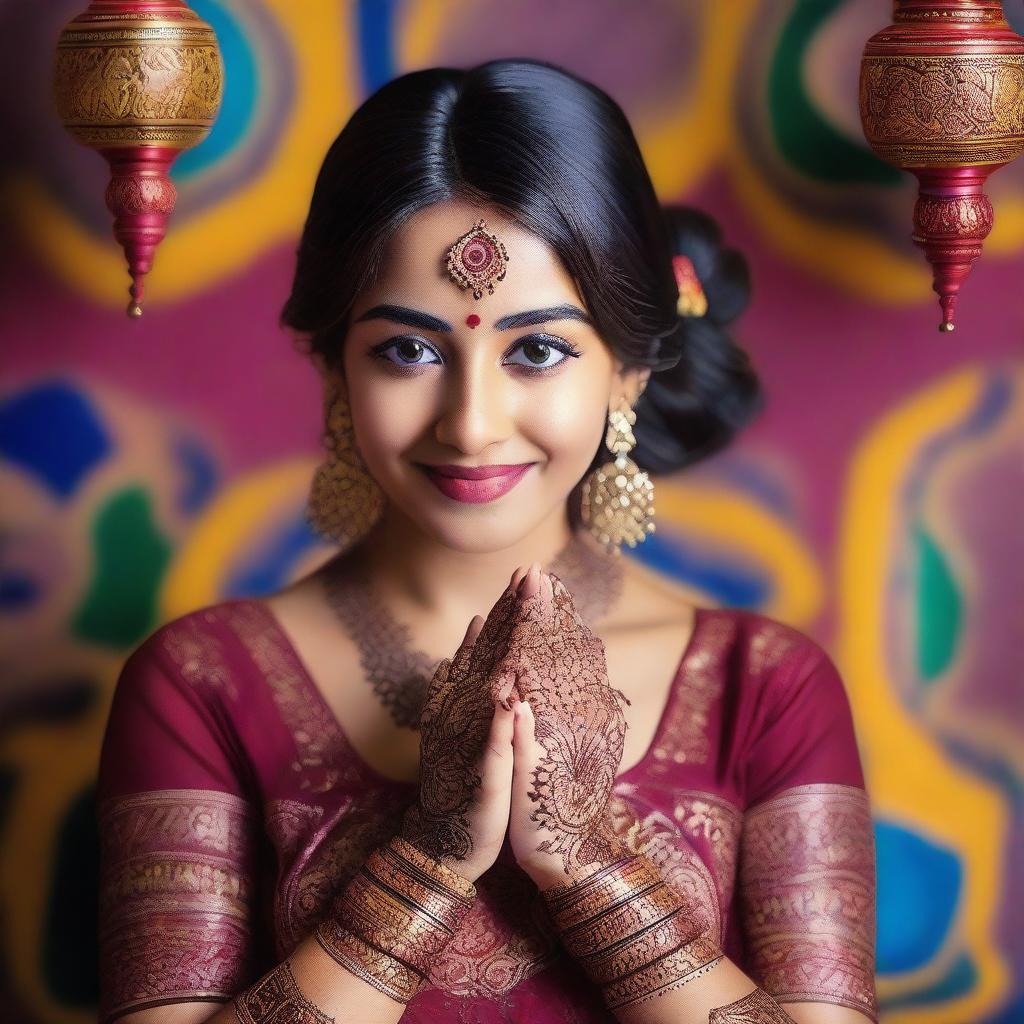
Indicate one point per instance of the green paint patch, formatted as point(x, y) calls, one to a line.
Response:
point(803, 136)
point(939, 608)
point(119, 608)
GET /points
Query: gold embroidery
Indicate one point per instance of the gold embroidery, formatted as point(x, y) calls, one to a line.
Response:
point(684, 738)
point(198, 654)
point(718, 822)
point(770, 643)
point(318, 739)
point(317, 856)
point(807, 887)
point(177, 873)
point(660, 840)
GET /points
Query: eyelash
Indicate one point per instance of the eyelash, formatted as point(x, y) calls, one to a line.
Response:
point(559, 344)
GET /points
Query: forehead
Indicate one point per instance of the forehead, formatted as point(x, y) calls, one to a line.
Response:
point(416, 257)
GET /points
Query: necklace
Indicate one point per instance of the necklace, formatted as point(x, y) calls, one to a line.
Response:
point(399, 673)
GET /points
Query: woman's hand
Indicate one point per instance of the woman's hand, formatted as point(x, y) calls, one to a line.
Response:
point(568, 740)
point(461, 815)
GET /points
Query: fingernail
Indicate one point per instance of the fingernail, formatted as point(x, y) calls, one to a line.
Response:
point(506, 703)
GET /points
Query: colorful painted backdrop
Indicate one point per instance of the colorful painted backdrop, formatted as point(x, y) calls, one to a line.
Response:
point(148, 467)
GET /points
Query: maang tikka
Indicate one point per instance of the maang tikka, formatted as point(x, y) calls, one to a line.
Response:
point(344, 499)
point(617, 503)
point(477, 260)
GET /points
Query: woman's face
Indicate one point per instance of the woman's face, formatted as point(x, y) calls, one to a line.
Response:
point(529, 385)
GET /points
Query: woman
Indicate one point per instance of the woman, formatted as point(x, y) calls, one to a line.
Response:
point(607, 803)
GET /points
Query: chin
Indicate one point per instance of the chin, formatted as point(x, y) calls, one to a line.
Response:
point(478, 533)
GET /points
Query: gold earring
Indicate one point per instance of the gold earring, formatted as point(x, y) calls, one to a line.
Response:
point(344, 499)
point(617, 503)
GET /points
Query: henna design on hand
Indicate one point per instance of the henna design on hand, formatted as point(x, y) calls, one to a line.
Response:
point(454, 727)
point(756, 1008)
point(580, 723)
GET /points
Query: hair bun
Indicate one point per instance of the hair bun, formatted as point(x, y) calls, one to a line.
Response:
point(723, 273)
point(694, 408)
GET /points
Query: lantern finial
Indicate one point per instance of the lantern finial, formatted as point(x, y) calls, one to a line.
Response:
point(942, 95)
point(139, 81)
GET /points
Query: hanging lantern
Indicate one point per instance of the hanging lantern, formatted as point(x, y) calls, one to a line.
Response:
point(139, 81)
point(942, 96)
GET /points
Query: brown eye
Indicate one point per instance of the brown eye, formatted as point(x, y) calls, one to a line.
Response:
point(411, 352)
point(538, 349)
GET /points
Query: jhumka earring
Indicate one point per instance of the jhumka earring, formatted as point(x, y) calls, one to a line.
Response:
point(344, 499)
point(617, 503)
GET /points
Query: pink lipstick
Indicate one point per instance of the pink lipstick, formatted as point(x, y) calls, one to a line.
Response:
point(476, 484)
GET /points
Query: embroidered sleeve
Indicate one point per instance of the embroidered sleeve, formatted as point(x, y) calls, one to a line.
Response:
point(807, 863)
point(807, 896)
point(178, 837)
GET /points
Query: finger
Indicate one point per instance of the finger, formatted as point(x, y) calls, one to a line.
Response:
point(438, 682)
point(472, 632)
point(496, 765)
point(530, 583)
point(526, 753)
point(506, 692)
point(458, 665)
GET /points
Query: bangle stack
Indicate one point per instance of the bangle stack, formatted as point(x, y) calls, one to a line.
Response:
point(627, 929)
point(394, 917)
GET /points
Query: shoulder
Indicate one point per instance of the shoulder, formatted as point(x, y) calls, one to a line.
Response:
point(195, 650)
point(761, 660)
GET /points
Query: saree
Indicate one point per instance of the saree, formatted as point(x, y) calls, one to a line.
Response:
point(232, 807)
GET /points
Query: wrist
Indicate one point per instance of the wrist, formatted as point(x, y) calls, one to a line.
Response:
point(390, 922)
point(634, 935)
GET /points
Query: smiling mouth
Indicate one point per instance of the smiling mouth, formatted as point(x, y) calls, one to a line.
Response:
point(487, 483)
point(477, 472)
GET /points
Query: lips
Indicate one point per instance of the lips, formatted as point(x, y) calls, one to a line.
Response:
point(476, 484)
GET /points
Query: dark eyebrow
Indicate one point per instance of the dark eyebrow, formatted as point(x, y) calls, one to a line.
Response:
point(409, 317)
point(541, 316)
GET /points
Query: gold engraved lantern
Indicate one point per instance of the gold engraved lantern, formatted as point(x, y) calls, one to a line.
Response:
point(139, 81)
point(942, 96)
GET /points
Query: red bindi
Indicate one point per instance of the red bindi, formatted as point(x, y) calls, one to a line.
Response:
point(473, 320)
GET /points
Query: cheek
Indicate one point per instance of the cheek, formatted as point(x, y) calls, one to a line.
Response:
point(569, 424)
point(382, 435)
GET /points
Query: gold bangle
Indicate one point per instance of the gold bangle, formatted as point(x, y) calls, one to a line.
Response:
point(630, 931)
point(394, 917)
point(277, 996)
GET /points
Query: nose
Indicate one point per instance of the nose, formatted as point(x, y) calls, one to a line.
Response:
point(477, 411)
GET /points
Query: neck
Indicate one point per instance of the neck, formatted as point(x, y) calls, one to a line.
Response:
point(426, 577)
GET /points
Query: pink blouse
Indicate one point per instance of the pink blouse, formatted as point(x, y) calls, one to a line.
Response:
point(232, 807)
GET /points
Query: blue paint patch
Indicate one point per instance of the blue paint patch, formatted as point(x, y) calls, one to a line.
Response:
point(726, 582)
point(375, 28)
point(745, 474)
point(200, 474)
point(53, 432)
point(17, 591)
point(919, 887)
point(241, 88)
point(1014, 1013)
point(272, 565)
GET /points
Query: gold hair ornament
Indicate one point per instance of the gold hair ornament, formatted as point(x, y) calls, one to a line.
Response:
point(692, 301)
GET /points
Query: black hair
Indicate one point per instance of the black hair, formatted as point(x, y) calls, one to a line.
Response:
point(557, 155)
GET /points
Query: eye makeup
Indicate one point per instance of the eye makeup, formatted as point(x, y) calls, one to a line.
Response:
point(551, 342)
